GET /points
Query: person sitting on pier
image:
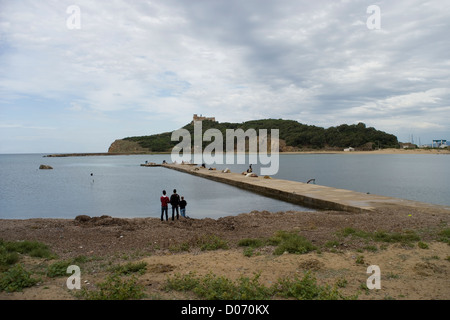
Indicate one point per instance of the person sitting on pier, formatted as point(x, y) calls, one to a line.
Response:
point(249, 170)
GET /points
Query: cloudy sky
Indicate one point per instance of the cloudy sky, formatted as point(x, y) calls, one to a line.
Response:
point(74, 81)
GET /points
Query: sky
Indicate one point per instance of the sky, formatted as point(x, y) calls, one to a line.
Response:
point(76, 75)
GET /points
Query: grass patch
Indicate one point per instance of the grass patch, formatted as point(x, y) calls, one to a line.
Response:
point(250, 245)
point(360, 260)
point(284, 241)
point(7, 259)
point(290, 242)
point(129, 268)
point(406, 238)
point(14, 276)
point(395, 237)
point(16, 279)
point(331, 244)
point(30, 248)
point(253, 243)
point(213, 287)
point(307, 288)
point(211, 242)
point(180, 247)
point(392, 275)
point(354, 233)
point(422, 245)
point(58, 269)
point(10, 252)
point(371, 248)
point(444, 235)
point(249, 251)
point(115, 288)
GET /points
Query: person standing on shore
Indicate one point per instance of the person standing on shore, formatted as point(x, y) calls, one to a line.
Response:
point(164, 206)
point(183, 205)
point(175, 201)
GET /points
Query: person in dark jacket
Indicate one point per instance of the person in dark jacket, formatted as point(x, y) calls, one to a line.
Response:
point(175, 201)
point(183, 205)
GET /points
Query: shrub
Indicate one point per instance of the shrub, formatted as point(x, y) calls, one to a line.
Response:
point(58, 269)
point(254, 243)
point(115, 288)
point(291, 242)
point(306, 288)
point(180, 282)
point(445, 235)
point(331, 244)
point(249, 251)
point(16, 279)
point(360, 260)
point(184, 246)
point(371, 248)
point(129, 268)
point(405, 238)
point(422, 245)
point(211, 242)
point(213, 287)
point(31, 248)
point(7, 259)
point(354, 233)
point(381, 236)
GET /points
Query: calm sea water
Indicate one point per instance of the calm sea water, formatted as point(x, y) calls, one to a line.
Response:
point(420, 177)
point(120, 187)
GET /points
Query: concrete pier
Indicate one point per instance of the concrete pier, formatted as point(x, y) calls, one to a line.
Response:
point(308, 195)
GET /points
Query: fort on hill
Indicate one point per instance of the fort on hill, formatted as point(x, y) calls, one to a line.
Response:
point(201, 118)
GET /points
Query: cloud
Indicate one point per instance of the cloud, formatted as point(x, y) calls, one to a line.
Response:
point(315, 62)
point(21, 126)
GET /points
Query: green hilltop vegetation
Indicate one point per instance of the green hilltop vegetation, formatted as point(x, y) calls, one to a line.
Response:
point(294, 136)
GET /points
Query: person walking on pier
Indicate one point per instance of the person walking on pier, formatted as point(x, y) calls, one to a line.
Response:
point(164, 206)
point(175, 201)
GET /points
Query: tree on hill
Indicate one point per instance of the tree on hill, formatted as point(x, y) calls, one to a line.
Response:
point(294, 134)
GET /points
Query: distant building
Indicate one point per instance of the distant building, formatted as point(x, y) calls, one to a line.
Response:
point(407, 145)
point(201, 118)
point(440, 143)
point(349, 149)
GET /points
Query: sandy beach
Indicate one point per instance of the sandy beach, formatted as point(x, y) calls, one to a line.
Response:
point(380, 151)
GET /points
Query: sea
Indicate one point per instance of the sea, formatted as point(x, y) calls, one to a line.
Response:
point(118, 186)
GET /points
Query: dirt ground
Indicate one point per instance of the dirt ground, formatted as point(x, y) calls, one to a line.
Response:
point(406, 272)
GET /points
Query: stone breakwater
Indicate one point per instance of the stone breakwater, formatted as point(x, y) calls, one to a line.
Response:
point(309, 195)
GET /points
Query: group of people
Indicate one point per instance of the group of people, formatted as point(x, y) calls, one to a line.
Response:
point(176, 203)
